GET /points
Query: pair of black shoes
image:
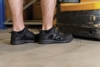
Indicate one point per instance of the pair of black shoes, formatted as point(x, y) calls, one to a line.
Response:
point(43, 38)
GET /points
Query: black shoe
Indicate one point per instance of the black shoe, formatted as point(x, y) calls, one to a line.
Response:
point(54, 37)
point(26, 37)
point(37, 37)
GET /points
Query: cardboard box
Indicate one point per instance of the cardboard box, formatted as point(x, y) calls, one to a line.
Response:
point(8, 15)
point(37, 13)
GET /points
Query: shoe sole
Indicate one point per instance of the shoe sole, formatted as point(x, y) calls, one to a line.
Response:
point(54, 41)
point(21, 42)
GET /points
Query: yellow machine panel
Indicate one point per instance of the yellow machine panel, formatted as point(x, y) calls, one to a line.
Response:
point(80, 19)
point(83, 5)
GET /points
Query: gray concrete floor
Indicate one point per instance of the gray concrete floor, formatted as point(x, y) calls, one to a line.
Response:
point(78, 53)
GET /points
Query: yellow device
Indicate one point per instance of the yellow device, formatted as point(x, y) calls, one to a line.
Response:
point(81, 19)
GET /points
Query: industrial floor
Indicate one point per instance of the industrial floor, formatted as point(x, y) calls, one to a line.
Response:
point(78, 53)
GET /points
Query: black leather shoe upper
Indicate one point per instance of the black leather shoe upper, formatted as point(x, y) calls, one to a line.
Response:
point(54, 35)
point(25, 36)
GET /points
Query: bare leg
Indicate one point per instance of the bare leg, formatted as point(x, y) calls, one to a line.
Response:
point(48, 7)
point(16, 7)
point(49, 34)
point(20, 34)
